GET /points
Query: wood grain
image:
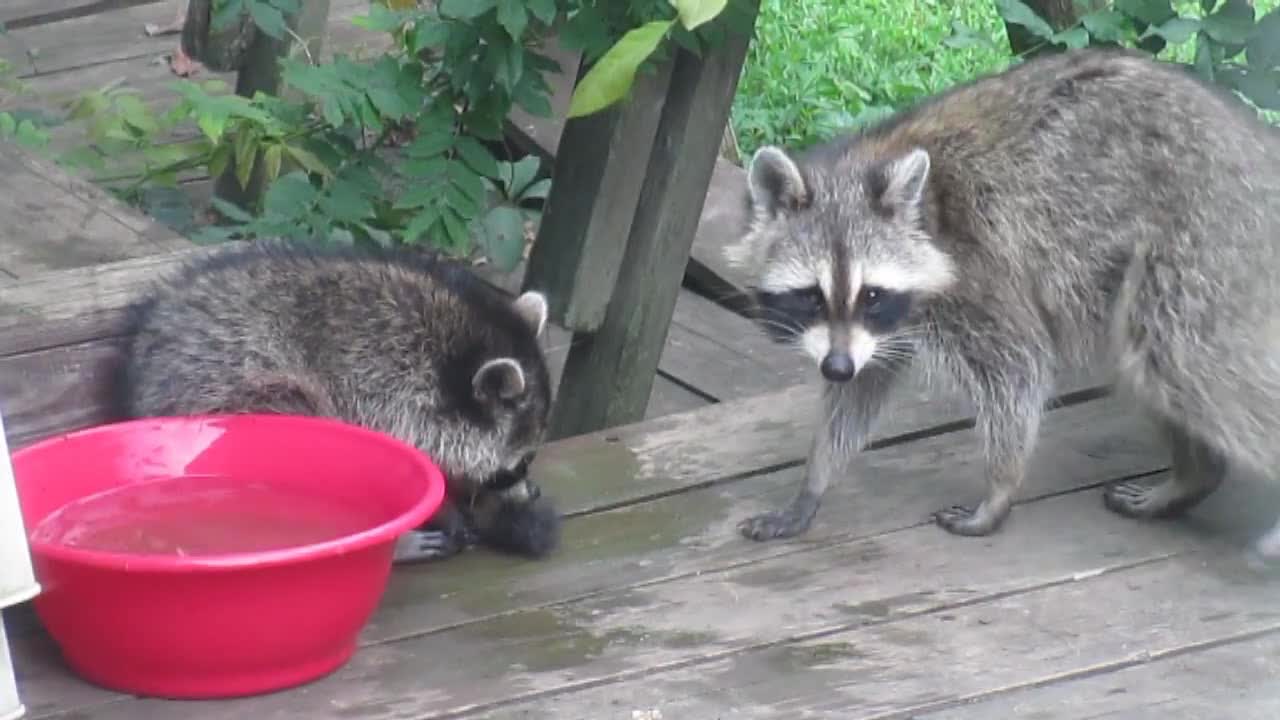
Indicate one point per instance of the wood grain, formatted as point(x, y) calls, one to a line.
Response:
point(117, 36)
point(52, 220)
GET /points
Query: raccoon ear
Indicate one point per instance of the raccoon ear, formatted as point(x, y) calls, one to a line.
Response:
point(775, 181)
point(532, 307)
point(498, 378)
point(902, 181)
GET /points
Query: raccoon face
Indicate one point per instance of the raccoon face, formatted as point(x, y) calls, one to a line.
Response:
point(514, 394)
point(841, 255)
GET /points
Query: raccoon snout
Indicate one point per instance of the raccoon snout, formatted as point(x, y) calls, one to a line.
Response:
point(837, 367)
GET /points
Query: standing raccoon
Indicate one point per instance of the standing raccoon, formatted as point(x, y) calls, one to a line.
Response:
point(405, 344)
point(1081, 205)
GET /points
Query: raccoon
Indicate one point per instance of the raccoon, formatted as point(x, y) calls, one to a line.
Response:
point(1086, 206)
point(405, 343)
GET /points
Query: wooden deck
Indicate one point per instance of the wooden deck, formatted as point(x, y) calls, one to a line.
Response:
point(655, 608)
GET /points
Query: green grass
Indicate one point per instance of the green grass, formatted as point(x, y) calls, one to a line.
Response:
point(818, 66)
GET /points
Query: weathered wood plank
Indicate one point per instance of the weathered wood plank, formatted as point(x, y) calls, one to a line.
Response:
point(678, 540)
point(610, 370)
point(1239, 680)
point(52, 220)
point(692, 531)
point(16, 14)
point(872, 594)
point(117, 36)
point(882, 668)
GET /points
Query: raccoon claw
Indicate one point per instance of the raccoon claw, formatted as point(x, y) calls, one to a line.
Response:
point(969, 522)
point(1144, 502)
point(426, 545)
point(787, 522)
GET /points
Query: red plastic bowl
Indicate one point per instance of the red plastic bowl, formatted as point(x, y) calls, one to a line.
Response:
point(221, 625)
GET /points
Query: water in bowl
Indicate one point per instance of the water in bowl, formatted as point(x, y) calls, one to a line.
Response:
point(200, 515)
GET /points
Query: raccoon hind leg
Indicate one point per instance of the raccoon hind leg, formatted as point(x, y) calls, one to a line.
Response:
point(1198, 470)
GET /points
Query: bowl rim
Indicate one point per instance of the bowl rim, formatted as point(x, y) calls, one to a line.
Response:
point(387, 531)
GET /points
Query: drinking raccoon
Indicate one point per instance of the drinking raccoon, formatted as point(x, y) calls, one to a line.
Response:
point(1083, 205)
point(399, 342)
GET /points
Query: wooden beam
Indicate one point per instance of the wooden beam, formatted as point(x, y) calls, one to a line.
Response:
point(598, 174)
point(609, 372)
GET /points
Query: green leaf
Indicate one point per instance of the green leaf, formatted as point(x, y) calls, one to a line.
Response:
point(503, 231)
point(246, 144)
point(467, 181)
point(537, 191)
point(1074, 38)
point(1017, 12)
point(1175, 31)
point(344, 202)
point(455, 229)
point(466, 9)
point(289, 196)
point(1232, 24)
point(610, 78)
point(1262, 87)
point(226, 15)
point(1152, 12)
point(544, 10)
point(308, 160)
point(7, 124)
point(1105, 25)
point(271, 159)
point(268, 19)
point(429, 32)
point(696, 12)
point(1264, 47)
point(421, 224)
point(476, 156)
point(513, 18)
point(523, 172)
point(430, 144)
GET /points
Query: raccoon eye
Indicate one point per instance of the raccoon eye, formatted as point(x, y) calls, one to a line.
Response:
point(872, 298)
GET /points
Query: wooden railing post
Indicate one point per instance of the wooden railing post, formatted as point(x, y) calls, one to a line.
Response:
point(610, 369)
point(598, 171)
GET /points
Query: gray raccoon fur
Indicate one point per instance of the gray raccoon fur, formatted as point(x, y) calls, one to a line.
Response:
point(1081, 207)
point(401, 342)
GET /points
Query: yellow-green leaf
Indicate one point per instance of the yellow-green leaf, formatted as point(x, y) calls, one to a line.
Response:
point(309, 161)
point(610, 78)
point(271, 158)
point(696, 12)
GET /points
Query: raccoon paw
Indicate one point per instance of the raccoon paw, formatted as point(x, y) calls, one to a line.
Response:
point(426, 545)
point(1143, 501)
point(528, 529)
point(970, 522)
point(790, 521)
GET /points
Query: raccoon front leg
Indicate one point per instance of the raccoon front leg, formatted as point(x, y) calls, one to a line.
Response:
point(1008, 420)
point(848, 412)
point(1198, 470)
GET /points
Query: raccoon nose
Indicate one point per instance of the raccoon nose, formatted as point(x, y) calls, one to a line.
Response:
point(837, 367)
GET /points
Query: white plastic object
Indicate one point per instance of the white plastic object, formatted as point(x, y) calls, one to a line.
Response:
point(11, 707)
point(17, 577)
